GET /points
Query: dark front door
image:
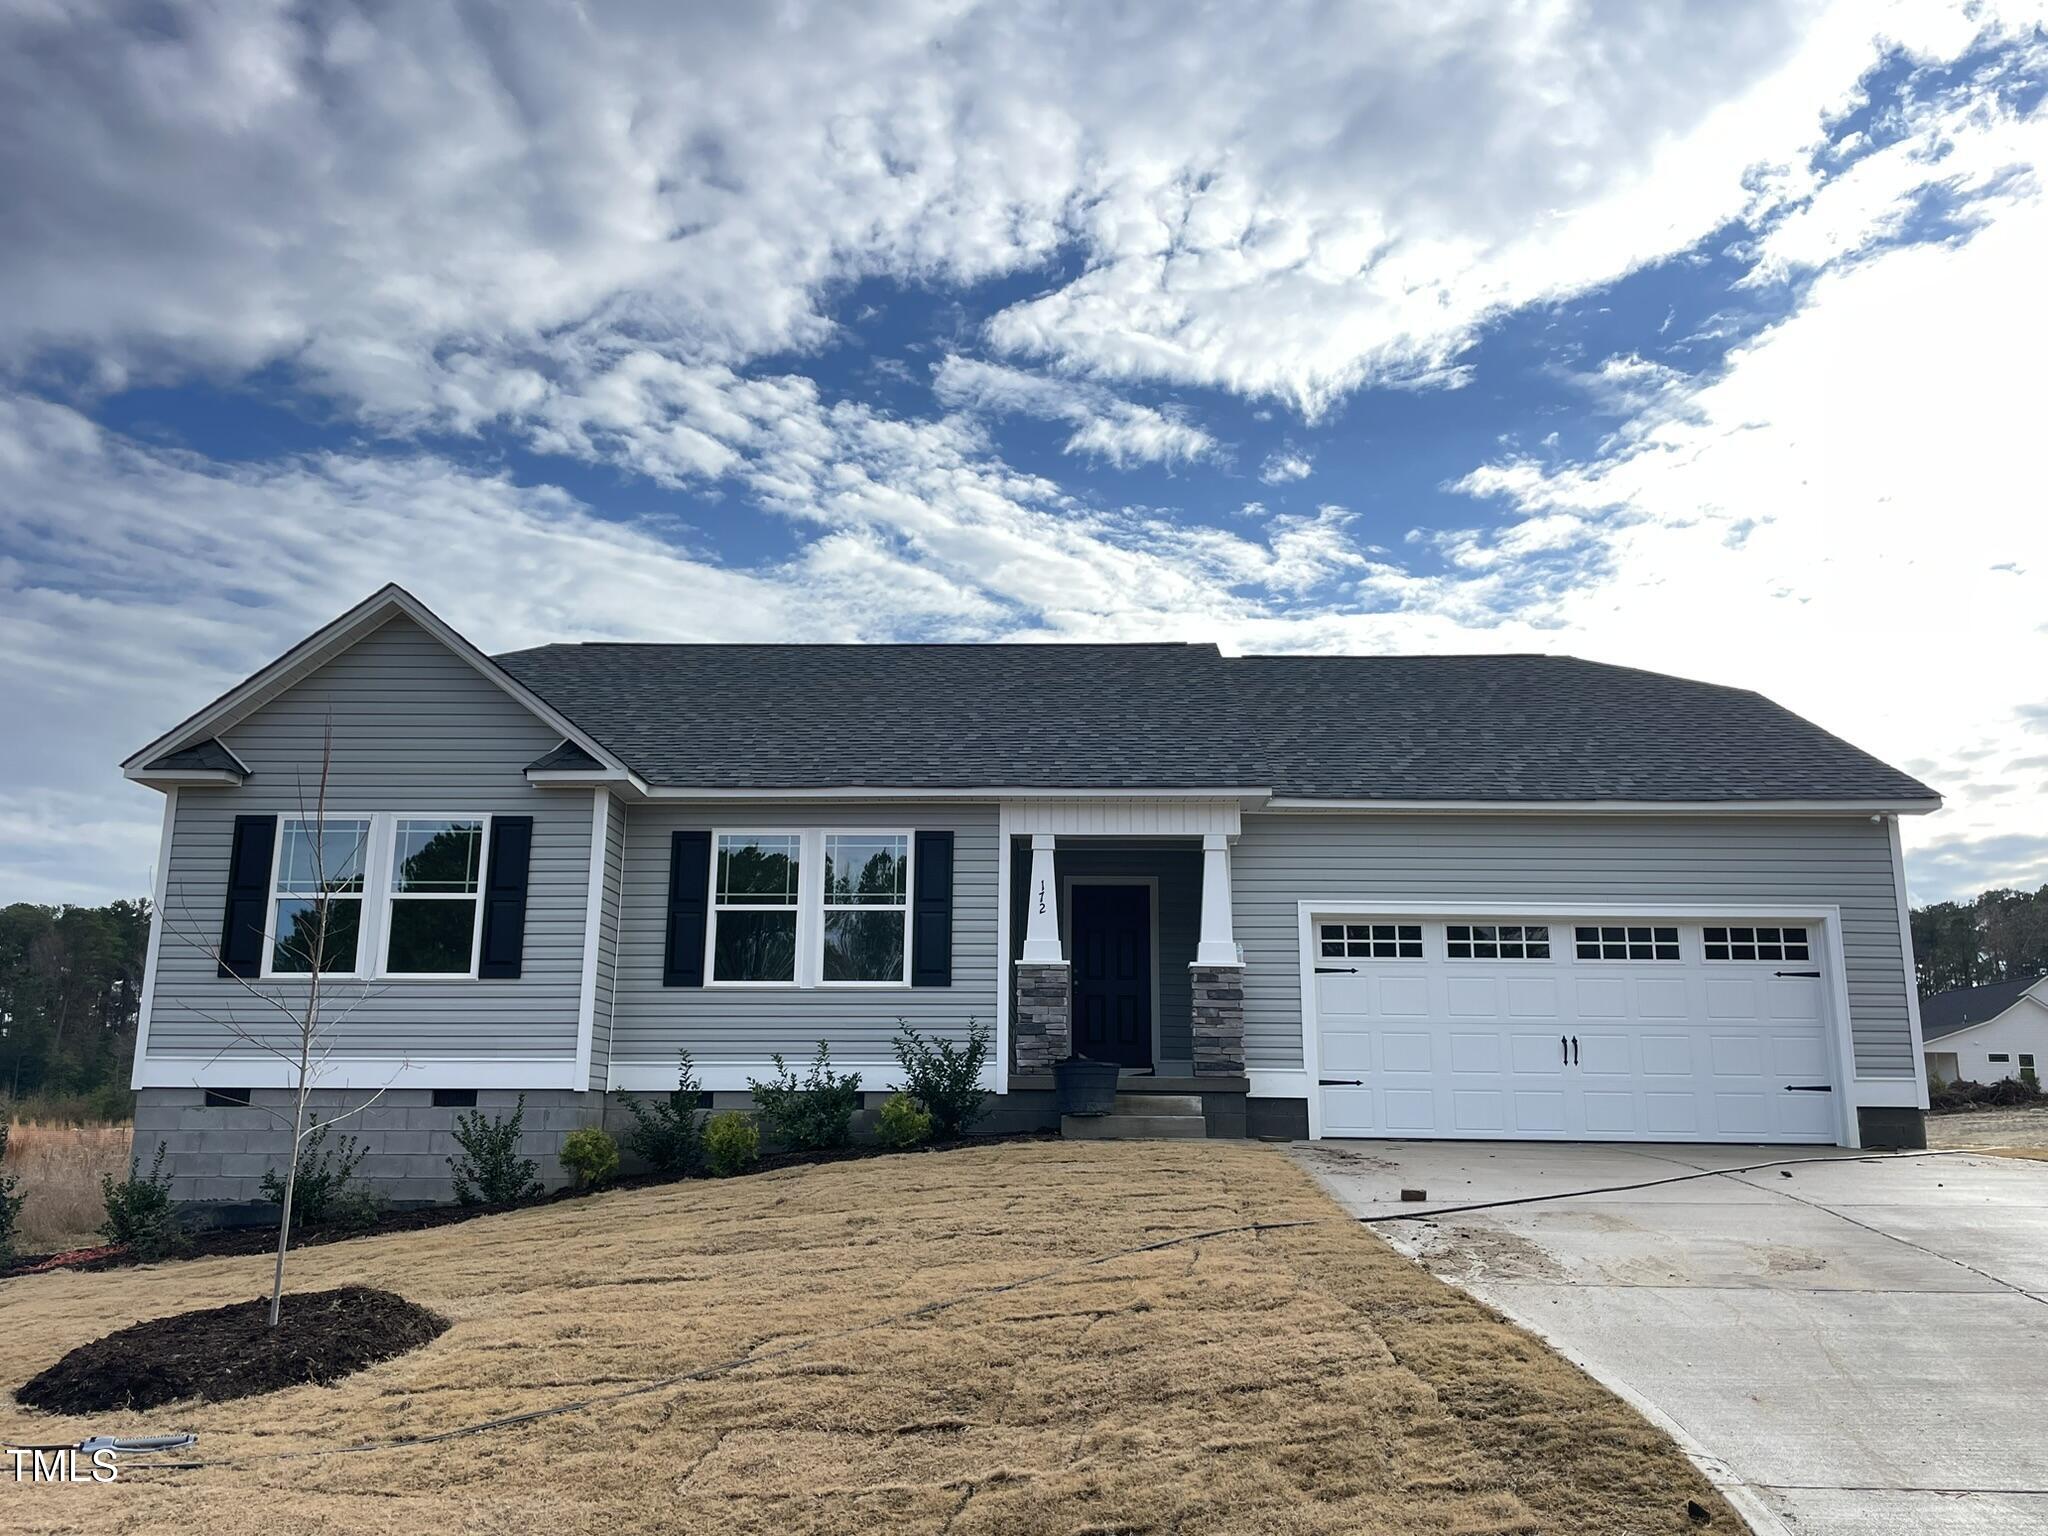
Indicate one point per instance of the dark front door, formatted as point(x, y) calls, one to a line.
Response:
point(1112, 960)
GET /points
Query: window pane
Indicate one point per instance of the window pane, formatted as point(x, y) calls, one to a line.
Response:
point(433, 937)
point(863, 946)
point(866, 869)
point(757, 871)
point(296, 934)
point(314, 857)
point(437, 856)
point(755, 946)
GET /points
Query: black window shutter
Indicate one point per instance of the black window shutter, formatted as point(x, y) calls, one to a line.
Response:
point(248, 901)
point(931, 920)
point(689, 897)
point(505, 897)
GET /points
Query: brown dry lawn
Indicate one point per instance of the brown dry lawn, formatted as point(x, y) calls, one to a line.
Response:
point(59, 1168)
point(1297, 1381)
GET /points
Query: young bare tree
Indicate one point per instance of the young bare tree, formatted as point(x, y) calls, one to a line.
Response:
point(326, 862)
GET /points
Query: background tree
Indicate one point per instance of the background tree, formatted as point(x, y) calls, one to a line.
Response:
point(2001, 935)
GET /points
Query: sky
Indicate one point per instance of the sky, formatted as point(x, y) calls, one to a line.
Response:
point(1700, 338)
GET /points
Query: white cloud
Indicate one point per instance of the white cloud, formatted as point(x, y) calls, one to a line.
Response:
point(1285, 465)
point(436, 215)
point(1105, 425)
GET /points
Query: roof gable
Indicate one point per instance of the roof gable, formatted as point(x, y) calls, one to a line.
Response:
point(174, 752)
point(1960, 1008)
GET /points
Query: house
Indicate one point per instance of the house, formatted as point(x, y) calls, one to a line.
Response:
point(1983, 1034)
point(1323, 896)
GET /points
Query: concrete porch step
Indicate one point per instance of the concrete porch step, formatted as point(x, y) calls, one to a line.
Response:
point(1158, 1104)
point(1126, 1127)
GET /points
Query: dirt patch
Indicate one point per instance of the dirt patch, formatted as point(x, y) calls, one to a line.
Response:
point(1990, 1129)
point(1308, 1381)
point(222, 1353)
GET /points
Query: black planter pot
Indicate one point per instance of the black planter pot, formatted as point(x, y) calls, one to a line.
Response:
point(1085, 1087)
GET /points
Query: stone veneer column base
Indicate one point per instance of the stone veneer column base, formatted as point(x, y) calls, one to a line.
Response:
point(1218, 1020)
point(1042, 1031)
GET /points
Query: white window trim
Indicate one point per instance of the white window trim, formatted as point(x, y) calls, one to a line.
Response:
point(902, 982)
point(373, 927)
point(391, 894)
point(807, 876)
point(365, 924)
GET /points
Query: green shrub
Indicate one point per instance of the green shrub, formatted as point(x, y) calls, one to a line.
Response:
point(591, 1155)
point(815, 1115)
point(490, 1170)
point(666, 1136)
point(731, 1144)
point(356, 1209)
point(139, 1211)
point(10, 1202)
point(945, 1078)
point(902, 1124)
point(324, 1175)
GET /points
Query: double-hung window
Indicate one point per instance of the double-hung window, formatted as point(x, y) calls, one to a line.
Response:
point(756, 899)
point(316, 859)
point(866, 907)
point(432, 914)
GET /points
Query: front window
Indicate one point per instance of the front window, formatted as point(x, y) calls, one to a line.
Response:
point(754, 902)
point(319, 864)
point(432, 918)
point(866, 905)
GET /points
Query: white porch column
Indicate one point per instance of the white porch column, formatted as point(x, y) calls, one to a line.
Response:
point(1218, 945)
point(1042, 919)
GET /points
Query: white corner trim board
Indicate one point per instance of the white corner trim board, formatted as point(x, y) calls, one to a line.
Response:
point(158, 894)
point(1912, 978)
point(593, 929)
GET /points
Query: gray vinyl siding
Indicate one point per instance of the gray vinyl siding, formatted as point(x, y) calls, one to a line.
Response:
point(738, 1026)
point(1843, 861)
point(416, 729)
point(1179, 872)
point(607, 942)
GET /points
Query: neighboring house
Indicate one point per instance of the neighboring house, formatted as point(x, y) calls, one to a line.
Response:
point(1983, 1034)
point(1464, 896)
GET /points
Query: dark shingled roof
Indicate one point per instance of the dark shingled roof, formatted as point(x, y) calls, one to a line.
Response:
point(1523, 728)
point(1959, 1008)
point(201, 754)
point(565, 756)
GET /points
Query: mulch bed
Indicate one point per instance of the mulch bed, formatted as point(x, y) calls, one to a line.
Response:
point(228, 1352)
point(231, 1242)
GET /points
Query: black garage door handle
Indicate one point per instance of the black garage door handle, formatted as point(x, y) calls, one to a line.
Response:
point(1814, 974)
point(1340, 1082)
point(1809, 1087)
point(1336, 970)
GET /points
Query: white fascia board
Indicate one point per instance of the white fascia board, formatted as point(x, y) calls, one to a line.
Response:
point(1612, 807)
point(571, 778)
point(361, 1072)
point(326, 643)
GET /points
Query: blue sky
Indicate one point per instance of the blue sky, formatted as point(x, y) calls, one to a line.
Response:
point(1702, 339)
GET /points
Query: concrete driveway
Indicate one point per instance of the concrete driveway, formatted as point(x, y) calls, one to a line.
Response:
point(1855, 1346)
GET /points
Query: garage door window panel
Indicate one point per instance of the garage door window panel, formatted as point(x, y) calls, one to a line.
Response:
point(1625, 942)
point(1497, 941)
point(1757, 942)
point(1370, 941)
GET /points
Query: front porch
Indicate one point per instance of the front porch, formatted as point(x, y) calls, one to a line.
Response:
point(1121, 950)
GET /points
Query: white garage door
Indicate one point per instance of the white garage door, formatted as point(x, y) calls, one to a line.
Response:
point(1581, 1029)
